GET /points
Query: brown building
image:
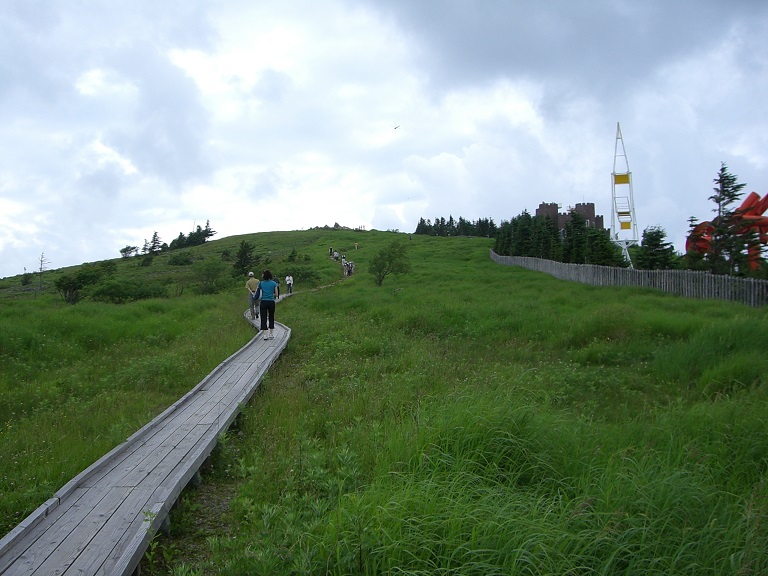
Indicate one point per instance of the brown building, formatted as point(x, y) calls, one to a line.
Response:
point(586, 210)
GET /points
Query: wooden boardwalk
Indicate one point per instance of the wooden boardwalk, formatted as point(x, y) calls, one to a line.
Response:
point(102, 521)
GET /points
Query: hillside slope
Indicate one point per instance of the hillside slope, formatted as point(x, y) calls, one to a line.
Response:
point(465, 417)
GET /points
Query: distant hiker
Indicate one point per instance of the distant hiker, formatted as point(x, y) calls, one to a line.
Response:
point(289, 283)
point(268, 292)
point(355, 245)
point(252, 285)
point(330, 252)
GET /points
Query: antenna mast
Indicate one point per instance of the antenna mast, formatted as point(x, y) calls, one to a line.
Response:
point(623, 221)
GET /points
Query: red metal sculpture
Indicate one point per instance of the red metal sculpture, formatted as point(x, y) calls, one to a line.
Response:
point(749, 217)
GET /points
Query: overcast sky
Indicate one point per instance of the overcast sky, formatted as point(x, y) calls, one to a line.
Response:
point(119, 118)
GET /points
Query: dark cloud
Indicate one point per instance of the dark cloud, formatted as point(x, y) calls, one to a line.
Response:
point(165, 132)
point(597, 45)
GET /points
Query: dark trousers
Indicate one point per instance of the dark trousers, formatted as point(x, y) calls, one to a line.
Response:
point(267, 309)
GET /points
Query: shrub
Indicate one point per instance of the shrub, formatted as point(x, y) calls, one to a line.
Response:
point(303, 274)
point(181, 258)
point(70, 285)
point(392, 259)
point(210, 273)
point(121, 291)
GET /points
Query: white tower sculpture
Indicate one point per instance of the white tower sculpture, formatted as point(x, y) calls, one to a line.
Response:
point(623, 221)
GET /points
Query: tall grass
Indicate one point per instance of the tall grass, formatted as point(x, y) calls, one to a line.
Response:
point(471, 418)
point(475, 419)
point(77, 380)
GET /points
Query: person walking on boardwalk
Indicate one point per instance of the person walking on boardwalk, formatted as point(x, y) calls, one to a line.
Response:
point(252, 286)
point(289, 283)
point(269, 292)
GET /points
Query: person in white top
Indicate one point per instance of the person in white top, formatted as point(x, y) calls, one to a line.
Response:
point(289, 283)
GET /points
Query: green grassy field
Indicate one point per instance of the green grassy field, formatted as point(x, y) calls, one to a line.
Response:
point(467, 418)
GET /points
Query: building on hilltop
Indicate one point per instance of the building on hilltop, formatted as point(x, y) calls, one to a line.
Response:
point(586, 210)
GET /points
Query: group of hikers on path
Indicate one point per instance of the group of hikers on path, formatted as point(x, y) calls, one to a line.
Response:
point(264, 293)
point(347, 266)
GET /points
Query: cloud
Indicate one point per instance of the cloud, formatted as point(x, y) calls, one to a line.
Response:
point(126, 118)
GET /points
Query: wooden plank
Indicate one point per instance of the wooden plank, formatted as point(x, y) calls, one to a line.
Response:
point(41, 541)
point(115, 532)
point(24, 534)
point(124, 560)
point(59, 547)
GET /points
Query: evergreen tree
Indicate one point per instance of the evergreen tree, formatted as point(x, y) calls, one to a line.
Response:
point(450, 226)
point(196, 237)
point(503, 244)
point(208, 233)
point(245, 259)
point(482, 227)
point(546, 238)
point(522, 235)
point(575, 240)
point(601, 251)
point(655, 253)
point(179, 242)
point(423, 227)
point(726, 243)
point(464, 227)
point(155, 244)
point(128, 251)
point(488, 228)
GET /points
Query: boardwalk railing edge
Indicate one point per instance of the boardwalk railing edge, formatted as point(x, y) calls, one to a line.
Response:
point(155, 517)
point(686, 283)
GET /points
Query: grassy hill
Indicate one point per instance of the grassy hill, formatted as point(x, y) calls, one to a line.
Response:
point(466, 418)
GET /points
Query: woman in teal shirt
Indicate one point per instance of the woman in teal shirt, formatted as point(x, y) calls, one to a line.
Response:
point(269, 292)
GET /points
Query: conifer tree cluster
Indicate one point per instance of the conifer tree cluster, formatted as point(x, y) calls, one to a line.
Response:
point(461, 227)
point(539, 237)
point(155, 245)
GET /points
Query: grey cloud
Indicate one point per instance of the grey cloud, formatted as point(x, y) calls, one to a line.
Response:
point(50, 44)
point(272, 86)
point(166, 133)
point(597, 45)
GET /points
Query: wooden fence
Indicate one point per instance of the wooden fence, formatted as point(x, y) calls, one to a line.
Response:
point(687, 283)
